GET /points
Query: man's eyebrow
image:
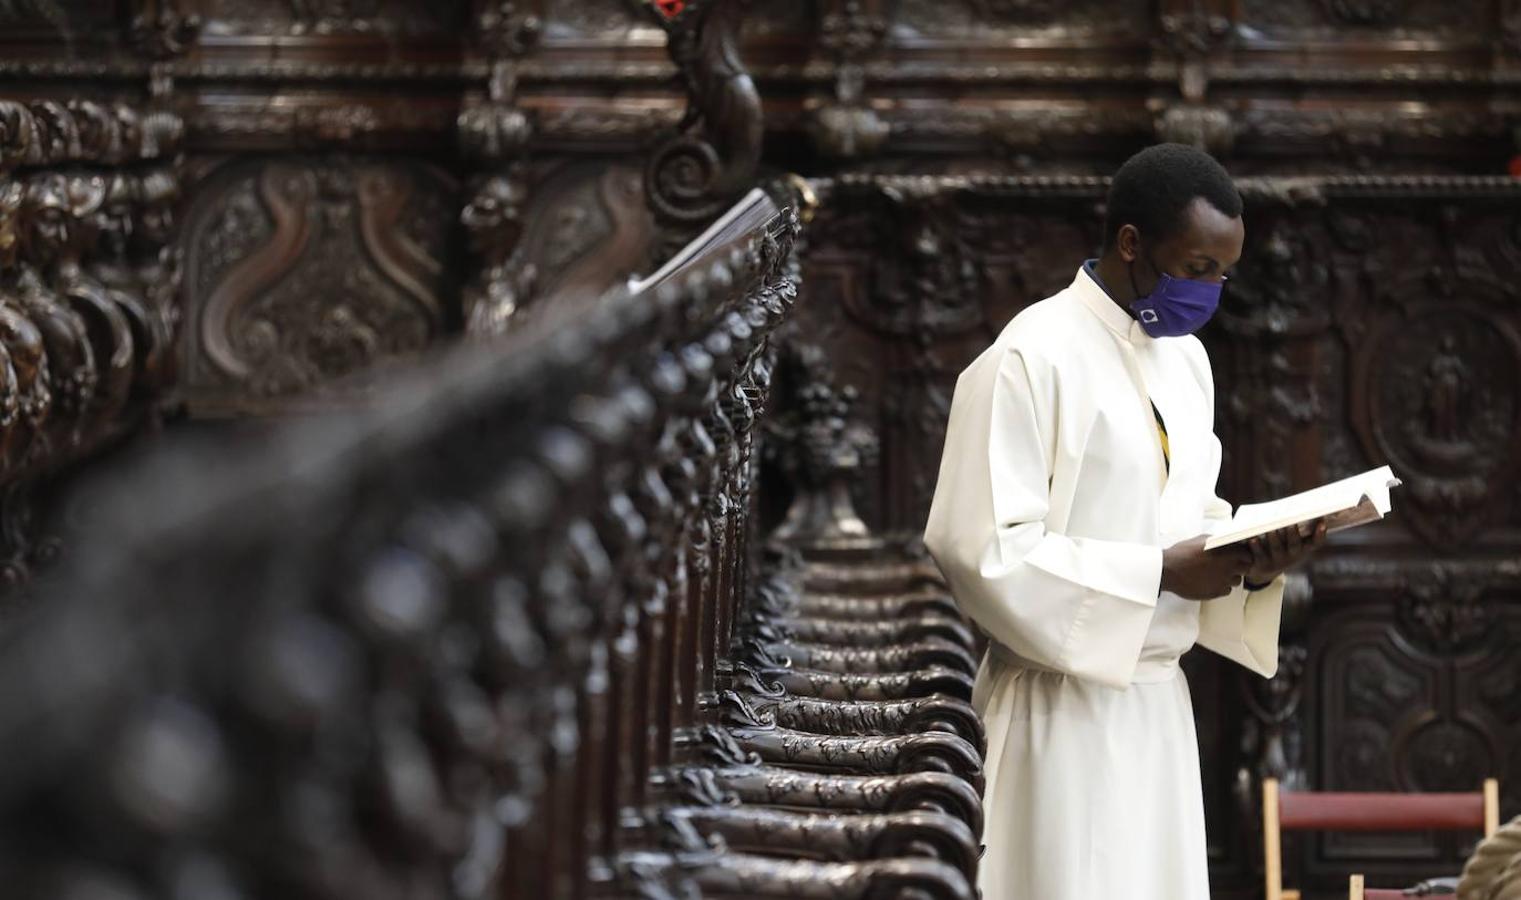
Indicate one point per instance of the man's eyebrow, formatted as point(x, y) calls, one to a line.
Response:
point(1210, 259)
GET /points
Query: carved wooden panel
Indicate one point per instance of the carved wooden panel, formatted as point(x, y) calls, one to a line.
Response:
point(304, 269)
point(588, 227)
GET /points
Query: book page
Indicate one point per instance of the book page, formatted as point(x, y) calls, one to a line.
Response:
point(1352, 501)
point(748, 214)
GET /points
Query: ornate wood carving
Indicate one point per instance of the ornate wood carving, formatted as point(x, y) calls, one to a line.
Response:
point(88, 290)
point(695, 174)
point(310, 269)
point(845, 126)
point(497, 132)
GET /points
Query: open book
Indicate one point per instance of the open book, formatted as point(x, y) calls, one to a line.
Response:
point(735, 227)
point(1351, 501)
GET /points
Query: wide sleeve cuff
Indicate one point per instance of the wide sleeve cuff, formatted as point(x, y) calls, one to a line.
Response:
point(1128, 571)
point(1105, 639)
point(1243, 626)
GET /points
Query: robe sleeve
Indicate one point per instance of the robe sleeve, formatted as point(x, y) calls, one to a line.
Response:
point(1241, 626)
point(1074, 605)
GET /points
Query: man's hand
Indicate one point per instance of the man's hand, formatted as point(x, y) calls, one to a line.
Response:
point(1190, 571)
point(1278, 550)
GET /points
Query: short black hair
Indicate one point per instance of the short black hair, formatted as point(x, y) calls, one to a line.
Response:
point(1153, 189)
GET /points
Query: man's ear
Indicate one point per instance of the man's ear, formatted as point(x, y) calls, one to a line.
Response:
point(1128, 242)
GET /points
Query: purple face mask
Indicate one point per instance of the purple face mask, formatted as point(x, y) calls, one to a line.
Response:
point(1176, 306)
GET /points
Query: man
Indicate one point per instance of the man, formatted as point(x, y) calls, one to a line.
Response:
point(1075, 493)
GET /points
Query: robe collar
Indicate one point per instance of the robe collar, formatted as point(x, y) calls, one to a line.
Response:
point(1091, 292)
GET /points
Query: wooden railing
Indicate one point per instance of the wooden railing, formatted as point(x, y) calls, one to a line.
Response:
point(429, 649)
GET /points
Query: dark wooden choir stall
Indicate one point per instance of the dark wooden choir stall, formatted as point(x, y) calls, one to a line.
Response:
point(373, 525)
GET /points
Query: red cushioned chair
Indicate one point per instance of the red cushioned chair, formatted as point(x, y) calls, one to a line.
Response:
point(1312, 811)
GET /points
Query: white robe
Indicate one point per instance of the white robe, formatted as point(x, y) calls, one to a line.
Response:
point(1050, 514)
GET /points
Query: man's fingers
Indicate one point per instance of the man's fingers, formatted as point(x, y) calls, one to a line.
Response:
point(1293, 541)
point(1273, 543)
point(1258, 552)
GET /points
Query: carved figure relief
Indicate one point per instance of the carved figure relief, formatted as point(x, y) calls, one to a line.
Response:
point(1449, 432)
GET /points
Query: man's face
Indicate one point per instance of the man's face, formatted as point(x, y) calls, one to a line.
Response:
point(1204, 250)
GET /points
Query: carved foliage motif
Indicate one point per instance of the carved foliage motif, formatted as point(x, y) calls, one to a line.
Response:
point(308, 274)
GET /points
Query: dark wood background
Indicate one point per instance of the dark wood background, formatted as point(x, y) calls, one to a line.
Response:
point(348, 164)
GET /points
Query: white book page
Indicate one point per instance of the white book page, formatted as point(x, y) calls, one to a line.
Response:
point(748, 212)
point(1371, 487)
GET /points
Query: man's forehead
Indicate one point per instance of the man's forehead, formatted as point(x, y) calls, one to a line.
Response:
point(1201, 213)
